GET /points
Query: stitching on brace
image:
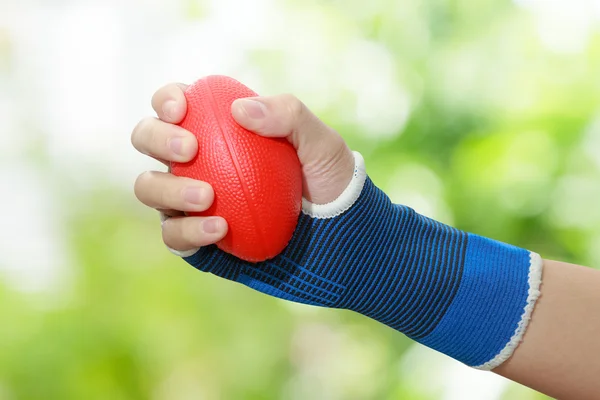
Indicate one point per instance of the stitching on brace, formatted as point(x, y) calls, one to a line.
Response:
point(535, 281)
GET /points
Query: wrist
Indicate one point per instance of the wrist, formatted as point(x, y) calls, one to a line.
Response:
point(463, 295)
point(467, 296)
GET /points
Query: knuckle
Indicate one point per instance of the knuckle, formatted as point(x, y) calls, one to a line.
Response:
point(172, 233)
point(141, 183)
point(295, 107)
point(168, 91)
point(142, 131)
point(167, 234)
point(157, 96)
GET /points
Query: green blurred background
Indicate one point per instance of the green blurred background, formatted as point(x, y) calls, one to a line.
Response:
point(483, 114)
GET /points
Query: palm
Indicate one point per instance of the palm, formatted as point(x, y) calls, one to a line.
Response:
point(326, 171)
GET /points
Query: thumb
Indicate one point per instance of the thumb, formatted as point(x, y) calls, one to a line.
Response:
point(286, 116)
point(326, 160)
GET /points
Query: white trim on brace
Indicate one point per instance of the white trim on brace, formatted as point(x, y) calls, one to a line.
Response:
point(345, 200)
point(535, 281)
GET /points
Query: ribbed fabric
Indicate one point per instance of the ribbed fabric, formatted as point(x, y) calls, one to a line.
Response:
point(489, 303)
point(458, 293)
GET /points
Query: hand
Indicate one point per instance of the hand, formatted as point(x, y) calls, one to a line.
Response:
point(327, 162)
point(464, 295)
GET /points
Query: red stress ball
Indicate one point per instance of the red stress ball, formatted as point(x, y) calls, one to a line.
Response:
point(257, 180)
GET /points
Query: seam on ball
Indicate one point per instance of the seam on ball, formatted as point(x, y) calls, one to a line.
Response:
point(238, 168)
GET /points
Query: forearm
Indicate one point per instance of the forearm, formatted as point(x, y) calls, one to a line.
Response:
point(469, 297)
point(560, 352)
point(461, 294)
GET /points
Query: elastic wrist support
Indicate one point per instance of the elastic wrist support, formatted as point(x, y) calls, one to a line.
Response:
point(461, 294)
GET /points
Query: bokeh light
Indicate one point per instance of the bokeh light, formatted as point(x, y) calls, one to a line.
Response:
point(484, 115)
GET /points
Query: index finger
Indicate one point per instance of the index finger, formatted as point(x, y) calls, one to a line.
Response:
point(169, 103)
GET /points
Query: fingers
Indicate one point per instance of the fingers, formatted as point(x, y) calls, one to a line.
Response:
point(164, 141)
point(161, 139)
point(278, 116)
point(164, 191)
point(169, 103)
point(187, 233)
point(286, 116)
point(327, 162)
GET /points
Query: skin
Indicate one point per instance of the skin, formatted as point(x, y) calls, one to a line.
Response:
point(560, 353)
point(560, 350)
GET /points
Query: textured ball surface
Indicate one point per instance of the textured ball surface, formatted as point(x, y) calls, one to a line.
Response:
point(257, 181)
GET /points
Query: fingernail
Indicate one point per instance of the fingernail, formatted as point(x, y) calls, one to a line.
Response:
point(212, 225)
point(194, 195)
point(181, 145)
point(169, 109)
point(176, 145)
point(254, 109)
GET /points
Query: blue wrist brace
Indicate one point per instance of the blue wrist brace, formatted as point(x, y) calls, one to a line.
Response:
point(461, 294)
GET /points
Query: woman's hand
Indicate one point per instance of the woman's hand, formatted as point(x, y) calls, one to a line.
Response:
point(327, 162)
